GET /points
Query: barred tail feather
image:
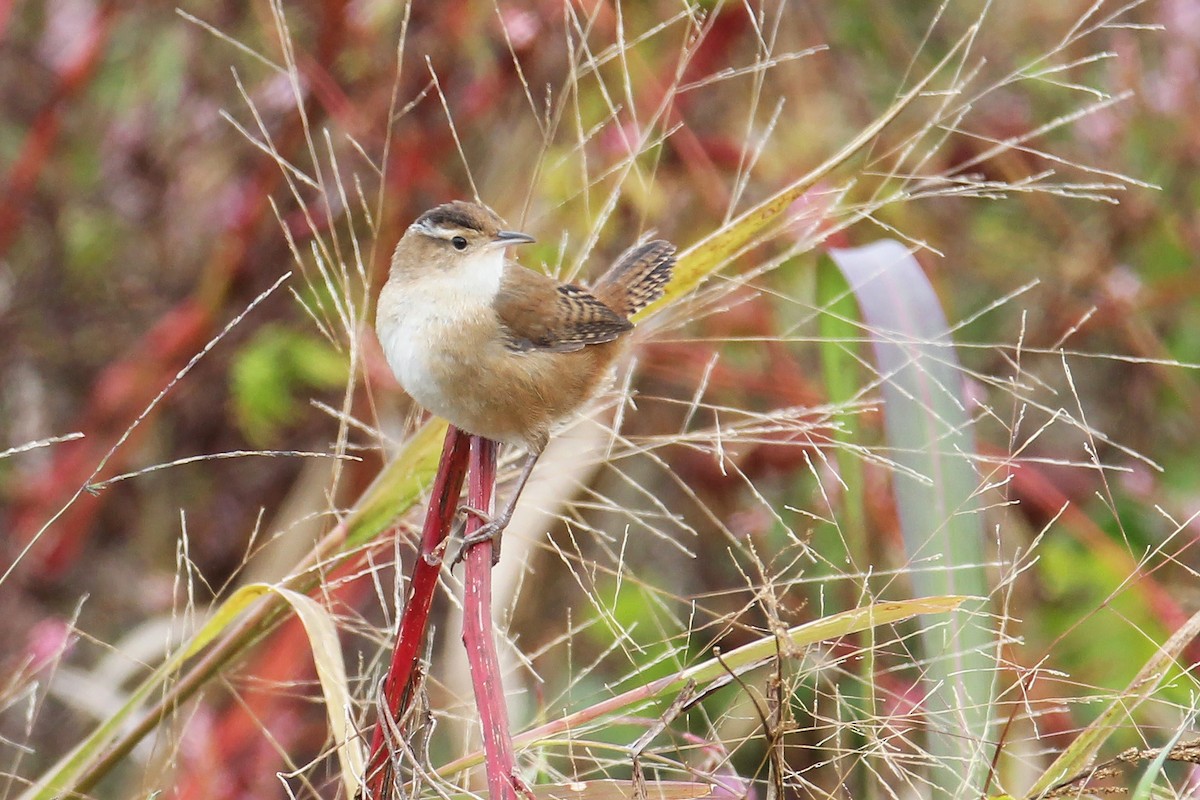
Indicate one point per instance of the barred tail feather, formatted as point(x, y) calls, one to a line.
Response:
point(637, 278)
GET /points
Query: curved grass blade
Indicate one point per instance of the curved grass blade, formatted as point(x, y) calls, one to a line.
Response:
point(331, 674)
point(1154, 770)
point(236, 623)
point(929, 432)
point(847, 543)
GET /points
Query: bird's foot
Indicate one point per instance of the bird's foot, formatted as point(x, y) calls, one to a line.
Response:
point(490, 531)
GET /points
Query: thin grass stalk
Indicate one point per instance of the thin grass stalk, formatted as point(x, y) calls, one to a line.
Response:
point(414, 620)
point(478, 637)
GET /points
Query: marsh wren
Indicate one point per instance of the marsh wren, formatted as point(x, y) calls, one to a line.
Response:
point(496, 349)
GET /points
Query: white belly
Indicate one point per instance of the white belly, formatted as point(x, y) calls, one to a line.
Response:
point(414, 334)
point(421, 323)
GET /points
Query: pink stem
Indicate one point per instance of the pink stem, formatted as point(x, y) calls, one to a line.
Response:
point(500, 762)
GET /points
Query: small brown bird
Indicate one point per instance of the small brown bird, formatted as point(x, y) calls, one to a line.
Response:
point(499, 350)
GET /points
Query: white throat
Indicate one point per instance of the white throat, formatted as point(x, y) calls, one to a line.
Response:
point(479, 273)
point(418, 317)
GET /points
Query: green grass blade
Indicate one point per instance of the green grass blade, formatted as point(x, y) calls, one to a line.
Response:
point(847, 543)
point(398, 486)
point(841, 369)
point(1145, 785)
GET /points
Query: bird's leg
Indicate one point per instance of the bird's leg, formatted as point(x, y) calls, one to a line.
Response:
point(494, 526)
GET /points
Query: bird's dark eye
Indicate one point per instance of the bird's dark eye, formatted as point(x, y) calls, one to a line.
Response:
point(459, 243)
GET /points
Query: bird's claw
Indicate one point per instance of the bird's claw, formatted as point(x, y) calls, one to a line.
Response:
point(490, 532)
point(471, 511)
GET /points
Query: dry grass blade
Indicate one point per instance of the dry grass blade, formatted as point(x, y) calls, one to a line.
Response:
point(1082, 750)
point(326, 648)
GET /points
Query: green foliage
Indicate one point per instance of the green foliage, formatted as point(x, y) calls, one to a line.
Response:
point(273, 375)
point(1108, 646)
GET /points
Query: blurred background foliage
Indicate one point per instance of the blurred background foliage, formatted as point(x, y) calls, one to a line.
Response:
point(136, 222)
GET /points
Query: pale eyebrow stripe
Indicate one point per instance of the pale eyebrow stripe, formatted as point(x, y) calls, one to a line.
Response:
point(439, 232)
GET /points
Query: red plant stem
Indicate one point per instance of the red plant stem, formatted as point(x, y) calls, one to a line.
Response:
point(6, 7)
point(414, 620)
point(477, 631)
point(38, 146)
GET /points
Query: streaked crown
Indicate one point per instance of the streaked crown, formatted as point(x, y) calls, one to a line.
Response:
point(451, 234)
point(459, 217)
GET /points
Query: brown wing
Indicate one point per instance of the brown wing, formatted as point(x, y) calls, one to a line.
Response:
point(539, 313)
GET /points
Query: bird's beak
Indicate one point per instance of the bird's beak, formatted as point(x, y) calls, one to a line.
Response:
point(505, 238)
